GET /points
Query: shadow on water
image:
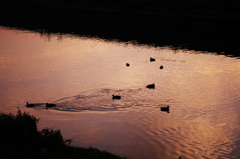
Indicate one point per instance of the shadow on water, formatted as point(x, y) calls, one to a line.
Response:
point(163, 32)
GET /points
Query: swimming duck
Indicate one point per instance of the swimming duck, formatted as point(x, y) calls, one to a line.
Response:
point(50, 105)
point(165, 109)
point(152, 59)
point(151, 86)
point(127, 64)
point(116, 97)
point(30, 105)
point(161, 67)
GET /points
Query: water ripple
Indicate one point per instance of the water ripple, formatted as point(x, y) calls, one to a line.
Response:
point(101, 100)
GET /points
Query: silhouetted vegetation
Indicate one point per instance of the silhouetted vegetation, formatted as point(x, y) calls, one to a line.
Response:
point(20, 139)
point(201, 25)
point(184, 5)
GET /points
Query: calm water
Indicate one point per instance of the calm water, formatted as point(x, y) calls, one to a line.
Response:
point(80, 75)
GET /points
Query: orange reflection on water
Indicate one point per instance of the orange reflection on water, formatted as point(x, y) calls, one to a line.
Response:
point(202, 91)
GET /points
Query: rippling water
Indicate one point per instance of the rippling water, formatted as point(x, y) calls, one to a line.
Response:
point(81, 74)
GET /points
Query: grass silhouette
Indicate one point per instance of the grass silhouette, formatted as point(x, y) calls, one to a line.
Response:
point(20, 138)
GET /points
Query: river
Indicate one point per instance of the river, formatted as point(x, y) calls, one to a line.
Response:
point(80, 74)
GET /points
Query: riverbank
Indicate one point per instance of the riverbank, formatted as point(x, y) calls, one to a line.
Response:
point(200, 18)
point(197, 29)
point(21, 139)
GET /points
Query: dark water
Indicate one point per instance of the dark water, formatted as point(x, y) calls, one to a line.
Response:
point(81, 74)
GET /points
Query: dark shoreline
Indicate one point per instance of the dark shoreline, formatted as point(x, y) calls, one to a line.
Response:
point(214, 32)
point(21, 139)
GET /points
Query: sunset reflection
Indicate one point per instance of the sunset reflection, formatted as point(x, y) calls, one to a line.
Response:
point(81, 74)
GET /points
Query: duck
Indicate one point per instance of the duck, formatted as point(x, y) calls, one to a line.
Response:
point(161, 67)
point(151, 86)
point(30, 105)
point(152, 59)
point(50, 105)
point(165, 109)
point(116, 97)
point(127, 64)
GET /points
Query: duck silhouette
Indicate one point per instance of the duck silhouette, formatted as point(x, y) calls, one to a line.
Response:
point(116, 97)
point(30, 105)
point(48, 105)
point(161, 67)
point(165, 109)
point(127, 64)
point(152, 59)
point(151, 86)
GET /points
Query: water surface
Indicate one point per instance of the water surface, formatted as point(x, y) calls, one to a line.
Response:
point(80, 75)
